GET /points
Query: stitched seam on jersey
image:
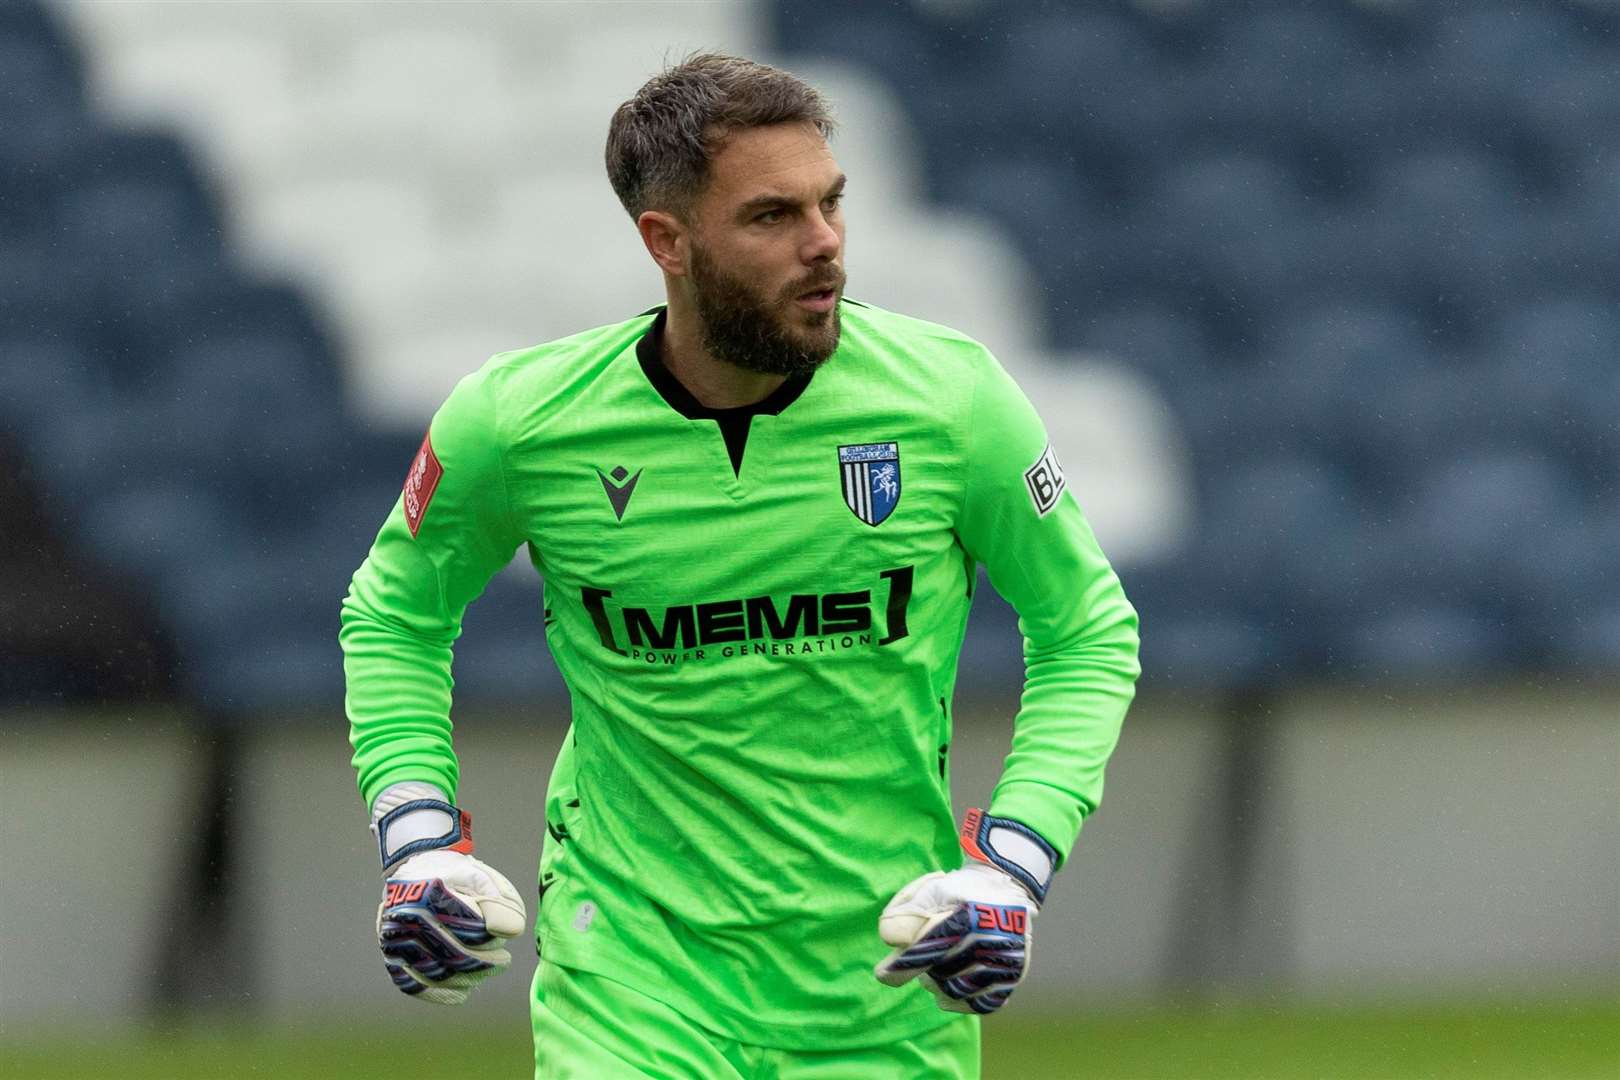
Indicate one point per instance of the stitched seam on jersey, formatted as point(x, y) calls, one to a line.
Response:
point(438, 571)
point(967, 457)
point(500, 458)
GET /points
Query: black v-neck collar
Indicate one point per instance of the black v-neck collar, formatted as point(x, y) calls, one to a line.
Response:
point(734, 422)
point(680, 398)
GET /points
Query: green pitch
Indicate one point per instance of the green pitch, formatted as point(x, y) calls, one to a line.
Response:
point(1549, 1042)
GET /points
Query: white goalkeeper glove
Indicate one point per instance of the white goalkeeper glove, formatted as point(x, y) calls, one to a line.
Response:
point(967, 932)
point(445, 916)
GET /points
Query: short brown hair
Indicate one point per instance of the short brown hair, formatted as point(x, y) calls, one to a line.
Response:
point(661, 141)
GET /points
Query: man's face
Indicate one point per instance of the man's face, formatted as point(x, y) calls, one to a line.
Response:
point(767, 245)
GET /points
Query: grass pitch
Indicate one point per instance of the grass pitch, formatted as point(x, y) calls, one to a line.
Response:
point(1458, 1042)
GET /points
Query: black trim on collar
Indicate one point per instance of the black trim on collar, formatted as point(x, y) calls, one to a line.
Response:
point(679, 398)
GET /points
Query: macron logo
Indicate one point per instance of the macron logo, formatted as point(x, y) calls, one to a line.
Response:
point(619, 489)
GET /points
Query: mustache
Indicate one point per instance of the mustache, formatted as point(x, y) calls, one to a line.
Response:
point(830, 279)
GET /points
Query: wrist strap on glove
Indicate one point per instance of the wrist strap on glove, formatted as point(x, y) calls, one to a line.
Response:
point(421, 824)
point(1011, 847)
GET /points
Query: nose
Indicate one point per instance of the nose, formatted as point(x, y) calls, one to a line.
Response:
point(822, 240)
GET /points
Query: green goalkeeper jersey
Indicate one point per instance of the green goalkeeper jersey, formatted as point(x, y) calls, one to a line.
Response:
point(760, 650)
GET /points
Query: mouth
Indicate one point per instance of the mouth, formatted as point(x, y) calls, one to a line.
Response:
point(818, 300)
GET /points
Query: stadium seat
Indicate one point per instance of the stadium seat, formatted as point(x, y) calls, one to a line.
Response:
point(1261, 517)
point(195, 303)
point(1568, 578)
point(1556, 380)
point(41, 373)
point(151, 529)
point(100, 154)
point(535, 212)
point(1471, 515)
point(39, 108)
point(1208, 201)
point(285, 668)
point(38, 66)
point(29, 20)
point(1413, 645)
point(1193, 636)
point(337, 226)
point(440, 315)
point(1219, 227)
point(1167, 345)
point(1039, 201)
point(1269, 80)
point(1572, 106)
point(291, 675)
point(1052, 60)
point(123, 221)
point(1591, 642)
point(1565, 338)
point(502, 654)
point(1482, 58)
point(42, 294)
point(216, 83)
point(442, 353)
point(915, 265)
point(85, 450)
point(441, 89)
point(36, 163)
point(1450, 231)
point(247, 410)
point(1334, 379)
point(889, 37)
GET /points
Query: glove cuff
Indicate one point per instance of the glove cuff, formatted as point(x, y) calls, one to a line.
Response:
point(400, 831)
point(1011, 847)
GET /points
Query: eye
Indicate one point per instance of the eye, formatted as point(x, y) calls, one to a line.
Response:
point(771, 217)
point(832, 202)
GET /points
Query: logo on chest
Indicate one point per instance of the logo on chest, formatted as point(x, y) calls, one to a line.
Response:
point(619, 489)
point(871, 477)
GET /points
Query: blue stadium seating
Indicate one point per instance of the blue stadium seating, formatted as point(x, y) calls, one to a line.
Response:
point(510, 662)
point(152, 532)
point(1040, 201)
point(185, 419)
point(1419, 644)
point(1479, 523)
point(1167, 344)
point(1368, 253)
point(42, 369)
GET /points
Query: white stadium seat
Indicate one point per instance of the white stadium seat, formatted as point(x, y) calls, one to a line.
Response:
point(948, 267)
point(197, 76)
point(339, 226)
point(443, 93)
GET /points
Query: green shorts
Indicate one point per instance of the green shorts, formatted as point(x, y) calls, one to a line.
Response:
point(587, 1027)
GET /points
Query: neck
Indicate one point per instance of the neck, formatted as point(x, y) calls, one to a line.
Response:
point(714, 382)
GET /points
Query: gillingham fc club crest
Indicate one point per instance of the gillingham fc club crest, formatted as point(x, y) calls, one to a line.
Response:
point(871, 476)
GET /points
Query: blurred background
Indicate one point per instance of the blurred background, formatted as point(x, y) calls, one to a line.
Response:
point(1320, 300)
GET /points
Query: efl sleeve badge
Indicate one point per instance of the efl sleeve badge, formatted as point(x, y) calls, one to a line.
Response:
point(420, 483)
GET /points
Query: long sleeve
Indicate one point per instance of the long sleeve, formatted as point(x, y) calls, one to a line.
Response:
point(1080, 633)
point(448, 534)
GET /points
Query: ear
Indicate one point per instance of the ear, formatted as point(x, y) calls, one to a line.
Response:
point(666, 239)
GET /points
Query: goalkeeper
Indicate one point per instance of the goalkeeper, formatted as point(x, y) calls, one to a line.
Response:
point(758, 510)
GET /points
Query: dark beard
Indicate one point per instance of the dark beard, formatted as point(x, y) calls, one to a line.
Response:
point(742, 329)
